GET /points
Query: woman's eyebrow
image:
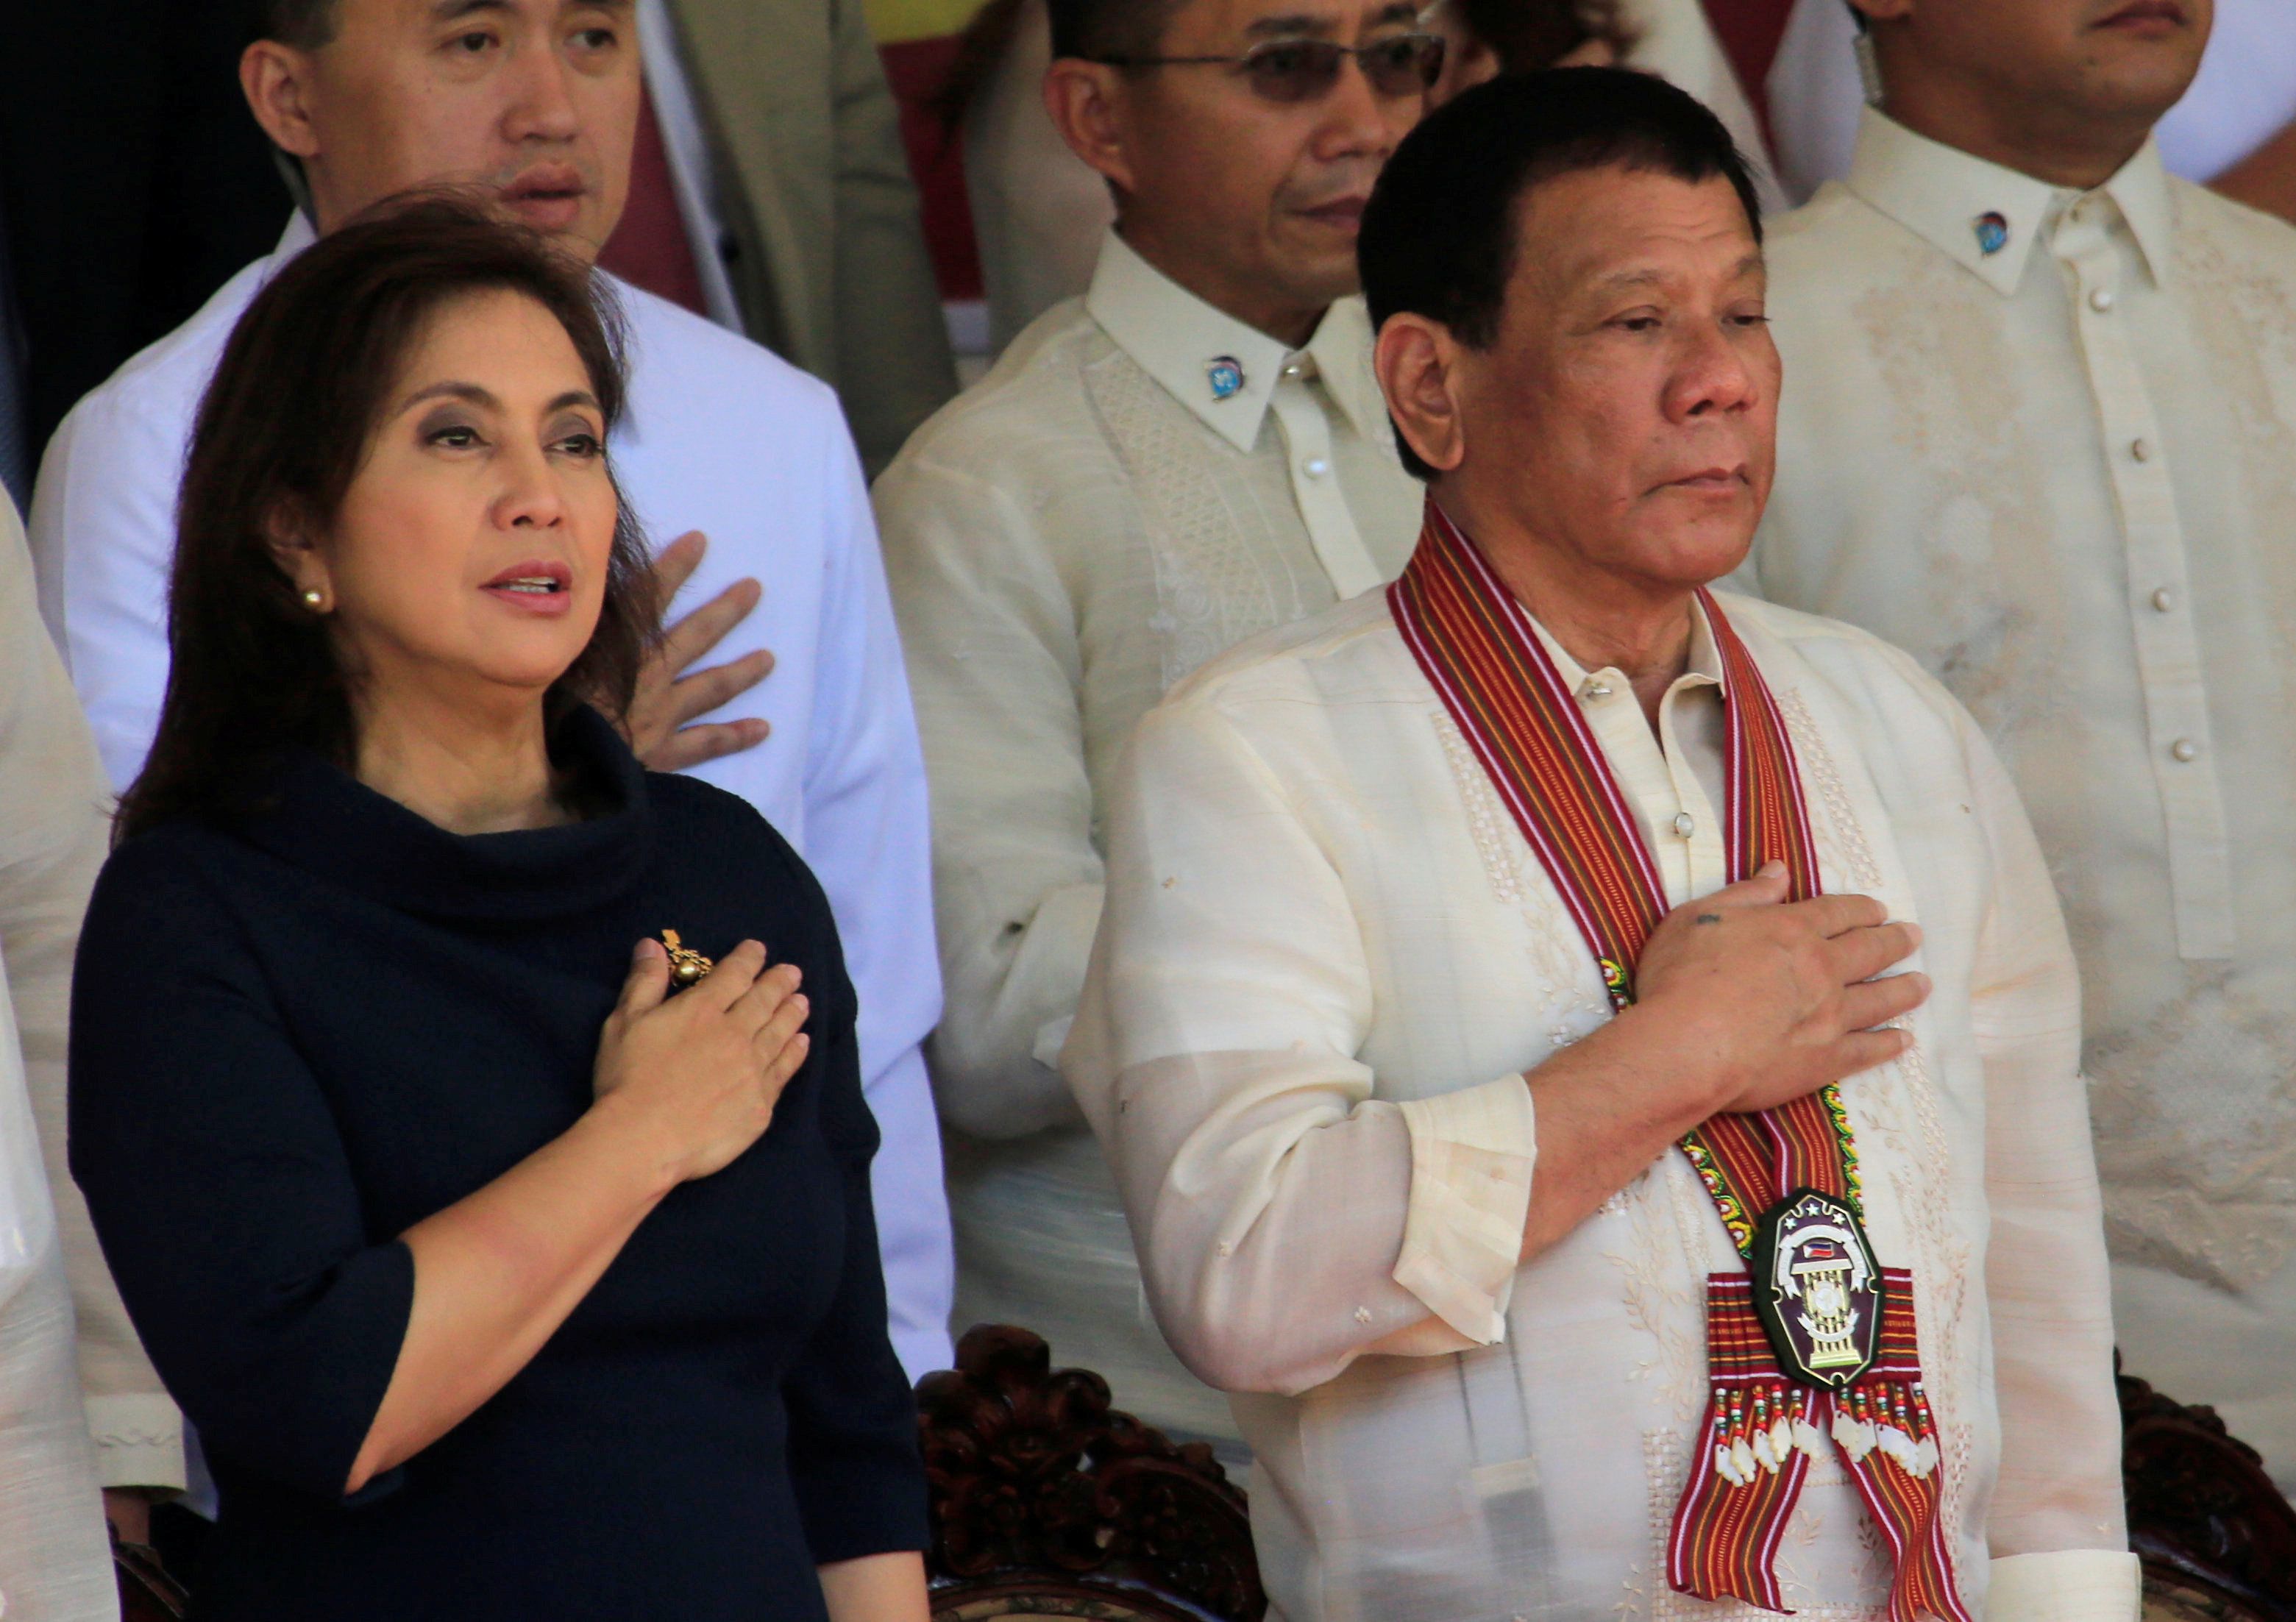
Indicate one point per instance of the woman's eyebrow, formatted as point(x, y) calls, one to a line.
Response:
point(470, 392)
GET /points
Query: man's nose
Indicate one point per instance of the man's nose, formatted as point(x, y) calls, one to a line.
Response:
point(1357, 119)
point(1712, 376)
point(541, 100)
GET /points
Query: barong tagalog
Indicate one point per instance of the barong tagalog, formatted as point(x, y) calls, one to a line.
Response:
point(1813, 1344)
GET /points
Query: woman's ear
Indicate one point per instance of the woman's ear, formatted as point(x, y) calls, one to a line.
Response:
point(288, 542)
point(1418, 364)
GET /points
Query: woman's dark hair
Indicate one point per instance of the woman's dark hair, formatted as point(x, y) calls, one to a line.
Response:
point(1440, 235)
point(281, 434)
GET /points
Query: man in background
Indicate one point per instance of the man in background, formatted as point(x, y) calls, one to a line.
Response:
point(2042, 433)
point(1193, 452)
point(53, 831)
point(537, 102)
point(783, 149)
point(132, 182)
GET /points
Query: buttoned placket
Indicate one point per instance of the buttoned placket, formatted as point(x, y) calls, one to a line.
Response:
point(1300, 417)
point(2102, 274)
point(1655, 772)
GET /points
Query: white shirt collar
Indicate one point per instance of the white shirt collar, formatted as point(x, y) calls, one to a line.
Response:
point(1183, 342)
point(1703, 668)
point(299, 235)
point(1944, 196)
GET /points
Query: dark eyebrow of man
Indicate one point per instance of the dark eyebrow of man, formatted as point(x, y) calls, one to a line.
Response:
point(1294, 26)
point(1301, 25)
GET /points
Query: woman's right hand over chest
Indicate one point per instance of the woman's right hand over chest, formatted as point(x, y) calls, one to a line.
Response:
point(696, 1075)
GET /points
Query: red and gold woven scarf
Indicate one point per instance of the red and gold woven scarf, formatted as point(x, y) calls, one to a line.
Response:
point(1785, 1181)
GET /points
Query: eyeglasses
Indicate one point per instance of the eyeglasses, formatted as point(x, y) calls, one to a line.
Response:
point(1305, 70)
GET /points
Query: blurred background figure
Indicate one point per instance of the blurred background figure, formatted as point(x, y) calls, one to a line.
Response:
point(2041, 433)
point(132, 182)
point(1193, 452)
point(770, 192)
point(1039, 212)
point(769, 159)
point(54, 1566)
point(2233, 129)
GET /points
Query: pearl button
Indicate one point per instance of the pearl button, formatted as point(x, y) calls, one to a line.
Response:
point(2101, 300)
point(1291, 369)
point(2185, 749)
point(2142, 449)
point(1315, 467)
point(1685, 824)
point(1593, 690)
point(2164, 599)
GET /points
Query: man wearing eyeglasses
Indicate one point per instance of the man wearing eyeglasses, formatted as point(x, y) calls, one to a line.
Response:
point(1194, 452)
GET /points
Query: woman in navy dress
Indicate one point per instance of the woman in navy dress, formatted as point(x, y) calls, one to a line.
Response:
point(510, 1262)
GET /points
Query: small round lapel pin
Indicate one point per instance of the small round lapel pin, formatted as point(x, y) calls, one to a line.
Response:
point(686, 966)
point(1992, 232)
point(1226, 374)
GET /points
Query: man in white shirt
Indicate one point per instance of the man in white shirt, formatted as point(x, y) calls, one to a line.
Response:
point(2042, 434)
point(1193, 452)
point(536, 101)
point(1485, 1024)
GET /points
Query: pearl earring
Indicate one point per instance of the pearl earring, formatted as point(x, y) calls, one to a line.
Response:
point(314, 599)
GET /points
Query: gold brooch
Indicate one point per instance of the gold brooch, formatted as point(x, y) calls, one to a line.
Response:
point(686, 966)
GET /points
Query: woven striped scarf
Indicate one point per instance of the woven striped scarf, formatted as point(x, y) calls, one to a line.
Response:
point(1476, 648)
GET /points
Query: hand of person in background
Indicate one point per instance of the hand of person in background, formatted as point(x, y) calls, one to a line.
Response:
point(701, 1072)
point(668, 698)
point(129, 1509)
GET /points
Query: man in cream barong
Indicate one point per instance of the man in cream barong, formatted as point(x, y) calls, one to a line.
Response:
point(2042, 435)
point(1194, 452)
point(1398, 1010)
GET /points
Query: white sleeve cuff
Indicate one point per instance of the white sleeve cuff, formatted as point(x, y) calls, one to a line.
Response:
point(2069, 1585)
point(139, 1441)
point(1472, 1153)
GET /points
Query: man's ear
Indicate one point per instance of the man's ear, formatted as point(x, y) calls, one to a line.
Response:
point(1087, 105)
point(276, 80)
point(1418, 364)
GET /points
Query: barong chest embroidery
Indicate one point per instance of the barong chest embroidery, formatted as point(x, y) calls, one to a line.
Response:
point(1814, 1342)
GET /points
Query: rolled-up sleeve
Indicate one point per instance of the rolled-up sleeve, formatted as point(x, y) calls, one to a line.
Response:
point(1288, 1220)
point(220, 1185)
point(1472, 1154)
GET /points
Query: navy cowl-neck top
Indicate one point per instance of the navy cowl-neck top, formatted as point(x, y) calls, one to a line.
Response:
point(296, 1035)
